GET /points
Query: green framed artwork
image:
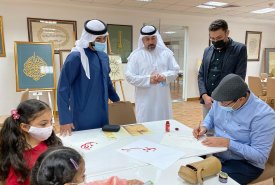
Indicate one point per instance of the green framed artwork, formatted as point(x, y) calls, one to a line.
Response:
point(34, 66)
point(2, 41)
point(121, 40)
point(269, 59)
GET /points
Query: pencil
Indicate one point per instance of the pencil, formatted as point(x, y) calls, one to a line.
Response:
point(199, 130)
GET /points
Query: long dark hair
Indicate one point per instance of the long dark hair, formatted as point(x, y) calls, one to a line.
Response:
point(58, 165)
point(13, 142)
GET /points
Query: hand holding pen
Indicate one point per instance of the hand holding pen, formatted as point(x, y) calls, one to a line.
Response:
point(199, 131)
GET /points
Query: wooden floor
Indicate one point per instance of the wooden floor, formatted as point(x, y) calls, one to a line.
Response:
point(188, 113)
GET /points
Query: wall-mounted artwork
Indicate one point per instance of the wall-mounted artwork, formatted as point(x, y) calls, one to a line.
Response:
point(253, 44)
point(2, 41)
point(116, 67)
point(63, 33)
point(121, 40)
point(34, 66)
point(62, 56)
point(269, 59)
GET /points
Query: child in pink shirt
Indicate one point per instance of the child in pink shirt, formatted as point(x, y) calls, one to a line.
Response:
point(65, 166)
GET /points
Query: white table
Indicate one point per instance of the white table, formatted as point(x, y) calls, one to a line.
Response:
point(105, 161)
point(168, 176)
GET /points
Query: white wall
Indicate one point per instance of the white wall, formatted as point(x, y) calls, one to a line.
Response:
point(15, 15)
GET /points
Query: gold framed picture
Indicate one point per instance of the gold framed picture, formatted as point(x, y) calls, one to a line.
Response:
point(269, 61)
point(63, 33)
point(2, 41)
point(253, 43)
point(121, 40)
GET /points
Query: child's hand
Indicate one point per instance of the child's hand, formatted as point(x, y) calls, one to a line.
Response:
point(134, 182)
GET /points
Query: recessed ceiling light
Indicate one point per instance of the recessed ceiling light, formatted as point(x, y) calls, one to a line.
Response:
point(204, 6)
point(265, 10)
point(169, 32)
point(215, 3)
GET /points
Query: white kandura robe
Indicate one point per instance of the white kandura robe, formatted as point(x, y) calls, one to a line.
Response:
point(153, 101)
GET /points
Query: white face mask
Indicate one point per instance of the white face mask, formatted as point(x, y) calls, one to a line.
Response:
point(41, 134)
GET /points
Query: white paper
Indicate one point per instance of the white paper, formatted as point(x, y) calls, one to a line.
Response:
point(152, 153)
point(86, 144)
point(180, 141)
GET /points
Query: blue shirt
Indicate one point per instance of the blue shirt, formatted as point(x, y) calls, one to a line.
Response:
point(83, 101)
point(251, 130)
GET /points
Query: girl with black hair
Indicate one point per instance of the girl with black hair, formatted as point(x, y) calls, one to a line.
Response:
point(26, 134)
point(65, 166)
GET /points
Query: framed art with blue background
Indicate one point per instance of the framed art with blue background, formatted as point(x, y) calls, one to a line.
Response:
point(2, 41)
point(34, 66)
point(121, 40)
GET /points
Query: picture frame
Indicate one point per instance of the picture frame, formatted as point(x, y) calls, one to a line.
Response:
point(253, 43)
point(269, 61)
point(121, 40)
point(2, 40)
point(116, 72)
point(62, 56)
point(34, 66)
point(63, 33)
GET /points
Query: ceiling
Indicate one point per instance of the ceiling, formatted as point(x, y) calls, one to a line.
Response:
point(186, 7)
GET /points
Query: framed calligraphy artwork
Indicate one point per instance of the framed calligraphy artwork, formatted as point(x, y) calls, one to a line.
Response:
point(116, 67)
point(121, 40)
point(253, 44)
point(63, 33)
point(34, 66)
point(2, 42)
point(269, 61)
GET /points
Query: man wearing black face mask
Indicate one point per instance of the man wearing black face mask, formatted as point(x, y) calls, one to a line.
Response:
point(223, 57)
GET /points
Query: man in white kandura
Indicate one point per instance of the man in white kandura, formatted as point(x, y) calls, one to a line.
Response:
point(151, 67)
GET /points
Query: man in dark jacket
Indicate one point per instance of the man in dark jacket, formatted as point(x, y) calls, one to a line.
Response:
point(223, 57)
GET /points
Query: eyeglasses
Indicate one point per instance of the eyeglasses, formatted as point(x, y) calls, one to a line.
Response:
point(216, 39)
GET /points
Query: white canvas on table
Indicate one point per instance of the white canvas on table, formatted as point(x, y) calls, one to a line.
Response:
point(152, 153)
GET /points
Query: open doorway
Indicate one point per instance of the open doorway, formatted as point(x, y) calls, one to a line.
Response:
point(175, 38)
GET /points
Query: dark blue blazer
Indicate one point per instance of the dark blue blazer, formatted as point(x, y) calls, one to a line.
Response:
point(235, 61)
